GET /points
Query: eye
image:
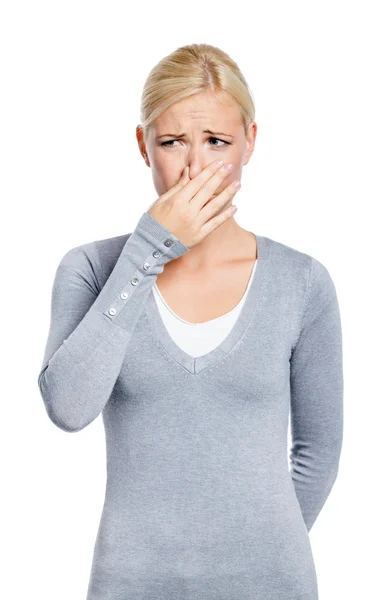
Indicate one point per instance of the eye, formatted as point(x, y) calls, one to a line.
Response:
point(167, 144)
point(218, 140)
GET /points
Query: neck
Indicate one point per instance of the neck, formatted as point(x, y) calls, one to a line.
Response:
point(226, 243)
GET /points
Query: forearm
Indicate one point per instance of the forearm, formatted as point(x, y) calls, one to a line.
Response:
point(89, 336)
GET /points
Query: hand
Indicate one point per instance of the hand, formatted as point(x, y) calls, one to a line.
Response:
point(187, 209)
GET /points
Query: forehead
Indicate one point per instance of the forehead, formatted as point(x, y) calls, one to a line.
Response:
point(217, 110)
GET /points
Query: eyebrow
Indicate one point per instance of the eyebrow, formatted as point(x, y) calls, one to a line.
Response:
point(178, 135)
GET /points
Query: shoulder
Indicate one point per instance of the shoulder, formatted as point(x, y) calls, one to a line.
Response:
point(94, 259)
point(298, 269)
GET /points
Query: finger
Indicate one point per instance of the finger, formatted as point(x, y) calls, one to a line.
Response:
point(175, 188)
point(217, 204)
point(209, 188)
point(216, 221)
point(191, 188)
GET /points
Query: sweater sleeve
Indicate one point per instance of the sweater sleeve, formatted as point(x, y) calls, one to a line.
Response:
point(316, 381)
point(91, 329)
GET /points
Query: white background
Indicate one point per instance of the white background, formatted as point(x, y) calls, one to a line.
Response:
point(71, 77)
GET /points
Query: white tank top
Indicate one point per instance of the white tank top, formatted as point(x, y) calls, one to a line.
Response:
point(197, 339)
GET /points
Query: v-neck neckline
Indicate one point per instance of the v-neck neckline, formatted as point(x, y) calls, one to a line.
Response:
point(253, 298)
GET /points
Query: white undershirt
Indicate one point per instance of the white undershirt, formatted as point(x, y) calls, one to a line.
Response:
point(197, 339)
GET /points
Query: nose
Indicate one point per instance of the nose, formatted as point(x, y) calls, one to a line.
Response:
point(196, 166)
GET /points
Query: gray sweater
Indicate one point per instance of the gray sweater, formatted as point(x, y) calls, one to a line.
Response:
point(200, 503)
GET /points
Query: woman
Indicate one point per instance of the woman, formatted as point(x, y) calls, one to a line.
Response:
point(195, 339)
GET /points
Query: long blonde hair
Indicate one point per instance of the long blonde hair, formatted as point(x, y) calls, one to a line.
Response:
point(189, 70)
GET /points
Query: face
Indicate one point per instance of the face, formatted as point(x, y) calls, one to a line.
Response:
point(190, 145)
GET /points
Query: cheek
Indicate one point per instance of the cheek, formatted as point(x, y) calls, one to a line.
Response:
point(165, 166)
point(164, 175)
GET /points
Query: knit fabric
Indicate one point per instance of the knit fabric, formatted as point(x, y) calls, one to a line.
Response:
point(198, 338)
point(201, 502)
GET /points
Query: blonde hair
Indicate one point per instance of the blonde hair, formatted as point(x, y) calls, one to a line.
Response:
point(190, 70)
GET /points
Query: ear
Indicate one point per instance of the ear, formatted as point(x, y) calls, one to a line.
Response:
point(250, 143)
point(142, 145)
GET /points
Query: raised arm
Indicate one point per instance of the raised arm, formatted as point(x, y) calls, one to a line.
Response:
point(316, 379)
point(90, 330)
